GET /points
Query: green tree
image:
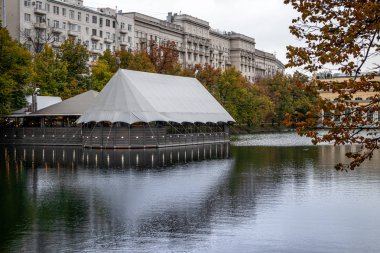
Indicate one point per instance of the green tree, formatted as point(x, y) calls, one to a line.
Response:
point(50, 74)
point(345, 35)
point(287, 95)
point(243, 101)
point(15, 69)
point(75, 55)
point(101, 74)
point(140, 61)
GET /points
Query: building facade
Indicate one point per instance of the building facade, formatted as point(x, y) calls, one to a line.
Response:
point(35, 23)
point(361, 98)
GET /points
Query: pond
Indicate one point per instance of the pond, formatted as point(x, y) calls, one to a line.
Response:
point(262, 193)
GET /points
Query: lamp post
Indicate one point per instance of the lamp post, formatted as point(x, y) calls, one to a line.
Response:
point(34, 99)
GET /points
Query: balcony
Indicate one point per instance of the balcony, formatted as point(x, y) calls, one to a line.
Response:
point(123, 31)
point(123, 43)
point(96, 38)
point(56, 44)
point(73, 33)
point(96, 51)
point(40, 11)
point(108, 40)
point(40, 26)
point(57, 30)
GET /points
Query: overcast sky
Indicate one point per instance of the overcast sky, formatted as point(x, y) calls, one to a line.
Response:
point(267, 21)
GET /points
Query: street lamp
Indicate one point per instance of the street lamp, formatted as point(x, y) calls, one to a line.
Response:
point(34, 99)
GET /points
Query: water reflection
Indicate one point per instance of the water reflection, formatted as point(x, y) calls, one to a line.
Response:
point(70, 193)
point(212, 198)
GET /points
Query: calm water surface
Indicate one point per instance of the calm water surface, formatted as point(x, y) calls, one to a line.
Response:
point(264, 193)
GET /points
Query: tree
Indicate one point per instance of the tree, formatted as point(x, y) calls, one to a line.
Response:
point(284, 91)
point(343, 34)
point(243, 101)
point(164, 57)
point(38, 38)
point(101, 74)
point(15, 68)
point(50, 74)
point(76, 56)
point(138, 61)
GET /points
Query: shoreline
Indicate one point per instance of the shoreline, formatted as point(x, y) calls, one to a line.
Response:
point(242, 130)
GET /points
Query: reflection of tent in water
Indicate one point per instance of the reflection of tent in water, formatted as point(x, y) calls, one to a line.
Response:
point(134, 110)
point(145, 110)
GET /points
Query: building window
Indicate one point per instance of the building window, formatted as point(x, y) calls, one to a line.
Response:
point(101, 34)
point(108, 23)
point(87, 18)
point(100, 22)
point(93, 44)
point(79, 28)
point(56, 10)
point(56, 24)
point(129, 39)
point(79, 16)
point(129, 27)
point(94, 19)
point(40, 19)
point(101, 46)
point(27, 3)
point(64, 25)
point(87, 30)
point(39, 5)
point(47, 7)
point(122, 25)
point(113, 24)
point(64, 12)
point(108, 35)
point(93, 32)
point(28, 47)
point(27, 17)
point(27, 32)
point(56, 38)
point(71, 14)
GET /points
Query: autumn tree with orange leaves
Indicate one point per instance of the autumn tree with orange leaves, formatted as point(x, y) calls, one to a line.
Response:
point(343, 34)
point(165, 57)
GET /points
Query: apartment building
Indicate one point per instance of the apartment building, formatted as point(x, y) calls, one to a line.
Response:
point(2, 13)
point(198, 43)
point(35, 22)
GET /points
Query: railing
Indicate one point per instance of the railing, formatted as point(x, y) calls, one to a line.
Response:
point(57, 136)
point(106, 137)
point(145, 138)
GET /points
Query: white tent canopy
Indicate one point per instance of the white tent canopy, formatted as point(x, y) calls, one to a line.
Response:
point(132, 96)
point(74, 106)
